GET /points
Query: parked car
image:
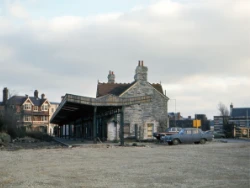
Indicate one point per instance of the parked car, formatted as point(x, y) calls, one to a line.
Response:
point(188, 135)
point(169, 131)
point(217, 134)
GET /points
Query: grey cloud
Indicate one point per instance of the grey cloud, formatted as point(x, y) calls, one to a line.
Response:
point(199, 39)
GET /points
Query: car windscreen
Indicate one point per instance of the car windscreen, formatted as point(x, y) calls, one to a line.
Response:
point(182, 131)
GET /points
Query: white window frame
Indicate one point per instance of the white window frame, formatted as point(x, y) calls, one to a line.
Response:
point(44, 118)
point(35, 108)
point(45, 107)
point(27, 118)
point(27, 106)
point(52, 110)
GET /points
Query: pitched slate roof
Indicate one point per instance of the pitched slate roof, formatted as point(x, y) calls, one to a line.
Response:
point(112, 88)
point(158, 87)
point(118, 88)
point(19, 100)
point(54, 103)
point(240, 112)
point(37, 101)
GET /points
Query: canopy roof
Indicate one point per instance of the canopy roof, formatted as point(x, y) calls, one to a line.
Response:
point(74, 107)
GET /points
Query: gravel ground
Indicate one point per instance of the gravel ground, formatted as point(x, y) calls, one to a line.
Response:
point(214, 164)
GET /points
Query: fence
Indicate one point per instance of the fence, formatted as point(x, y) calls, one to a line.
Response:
point(242, 132)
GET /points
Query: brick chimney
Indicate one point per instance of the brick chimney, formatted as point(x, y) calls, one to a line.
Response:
point(111, 77)
point(5, 95)
point(231, 109)
point(43, 96)
point(141, 72)
point(36, 94)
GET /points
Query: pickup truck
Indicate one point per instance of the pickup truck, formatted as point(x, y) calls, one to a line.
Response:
point(169, 131)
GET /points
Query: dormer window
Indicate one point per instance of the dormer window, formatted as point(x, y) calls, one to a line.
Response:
point(35, 108)
point(45, 107)
point(27, 107)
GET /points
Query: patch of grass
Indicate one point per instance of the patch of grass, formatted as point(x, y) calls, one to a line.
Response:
point(115, 141)
point(5, 137)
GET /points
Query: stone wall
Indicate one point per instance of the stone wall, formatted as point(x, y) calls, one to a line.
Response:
point(148, 113)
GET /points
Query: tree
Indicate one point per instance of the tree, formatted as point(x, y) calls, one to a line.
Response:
point(223, 109)
point(163, 124)
point(11, 117)
point(227, 126)
point(1, 123)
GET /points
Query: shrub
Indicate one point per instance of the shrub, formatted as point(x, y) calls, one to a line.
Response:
point(115, 141)
point(4, 137)
point(40, 136)
point(15, 132)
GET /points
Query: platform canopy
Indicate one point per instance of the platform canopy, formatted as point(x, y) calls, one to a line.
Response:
point(74, 107)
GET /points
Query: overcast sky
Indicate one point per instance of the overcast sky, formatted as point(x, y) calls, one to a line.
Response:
point(198, 49)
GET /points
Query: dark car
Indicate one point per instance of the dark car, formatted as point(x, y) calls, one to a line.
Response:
point(217, 134)
point(169, 131)
point(188, 135)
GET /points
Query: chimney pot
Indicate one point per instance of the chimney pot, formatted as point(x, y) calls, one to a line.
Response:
point(142, 63)
point(36, 94)
point(5, 95)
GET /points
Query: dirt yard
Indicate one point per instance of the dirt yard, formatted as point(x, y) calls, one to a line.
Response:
point(215, 164)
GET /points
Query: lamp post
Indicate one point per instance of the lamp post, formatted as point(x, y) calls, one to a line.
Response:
point(174, 111)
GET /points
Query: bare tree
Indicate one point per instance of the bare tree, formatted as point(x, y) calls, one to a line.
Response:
point(11, 117)
point(163, 124)
point(223, 109)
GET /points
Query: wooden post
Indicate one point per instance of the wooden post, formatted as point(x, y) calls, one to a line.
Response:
point(122, 126)
point(70, 130)
point(75, 130)
point(136, 132)
point(65, 131)
point(94, 126)
point(103, 123)
point(82, 132)
point(140, 133)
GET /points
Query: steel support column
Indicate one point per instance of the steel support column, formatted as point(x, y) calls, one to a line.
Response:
point(75, 130)
point(70, 130)
point(65, 136)
point(122, 126)
point(94, 126)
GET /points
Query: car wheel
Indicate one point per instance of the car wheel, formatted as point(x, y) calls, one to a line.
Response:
point(170, 143)
point(176, 142)
point(203, 141)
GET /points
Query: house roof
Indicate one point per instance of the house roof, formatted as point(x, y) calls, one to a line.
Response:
point(158, 87)
point(74, 107)
point(54, 103)
point(112, 88)
point(19, 100)
point(240, 112)
point(118, 88)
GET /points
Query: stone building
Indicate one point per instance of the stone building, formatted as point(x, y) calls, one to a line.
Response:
point(146, 117)
point(31, 112)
